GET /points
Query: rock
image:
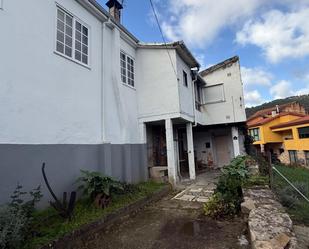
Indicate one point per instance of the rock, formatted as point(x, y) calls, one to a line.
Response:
point(247, 206)
point(270, 227)
point(280, 241)
point(253, 169)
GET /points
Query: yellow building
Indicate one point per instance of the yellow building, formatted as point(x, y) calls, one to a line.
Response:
point(285, 136)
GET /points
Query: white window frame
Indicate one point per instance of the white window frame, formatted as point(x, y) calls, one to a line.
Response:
point(74, 20)
point(126, 81)
point(222, 92)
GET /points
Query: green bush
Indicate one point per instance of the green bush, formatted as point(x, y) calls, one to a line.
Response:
point(228, 193)
point(94, 183)
point(16, 217)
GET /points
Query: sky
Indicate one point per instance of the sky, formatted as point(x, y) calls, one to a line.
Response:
point(271, 37)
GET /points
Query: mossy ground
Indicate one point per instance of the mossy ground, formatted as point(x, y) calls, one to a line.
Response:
point(48, 226)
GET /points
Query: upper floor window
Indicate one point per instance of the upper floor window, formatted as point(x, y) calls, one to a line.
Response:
point(127, 69)
point(198, 96)
point(214, 93)
point(255, 133)
point(72, 37)
point(303, 132)
point(185, 78)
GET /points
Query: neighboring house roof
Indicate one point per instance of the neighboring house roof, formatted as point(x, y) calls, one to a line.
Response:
point(269, 110)
point(219, 65)
point(267, 120)
point(180, 47)
point(299, 121)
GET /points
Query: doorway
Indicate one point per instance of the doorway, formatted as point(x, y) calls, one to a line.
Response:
point(223, 151)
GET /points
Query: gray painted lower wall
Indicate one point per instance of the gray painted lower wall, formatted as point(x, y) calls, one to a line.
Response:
point(22, 164)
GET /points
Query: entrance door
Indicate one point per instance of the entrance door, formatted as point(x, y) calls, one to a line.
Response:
point(159, 146)
point(222, 150)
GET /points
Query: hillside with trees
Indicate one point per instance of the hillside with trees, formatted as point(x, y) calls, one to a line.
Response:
point(302, 99)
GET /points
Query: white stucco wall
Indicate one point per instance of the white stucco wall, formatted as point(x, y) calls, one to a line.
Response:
point(232, 109)
point(48, 99)
point(158, 89)
point(185, 92)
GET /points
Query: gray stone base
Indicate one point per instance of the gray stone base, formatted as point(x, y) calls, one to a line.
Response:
point(22, 164)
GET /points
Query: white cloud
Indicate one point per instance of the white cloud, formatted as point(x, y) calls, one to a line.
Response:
point(279, 35)
point(282, 89)
point(253, 98)
point(198, 22)
point(255, 76)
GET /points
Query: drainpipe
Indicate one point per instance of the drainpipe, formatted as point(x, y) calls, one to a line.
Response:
point(103, 138)
point(194, 72)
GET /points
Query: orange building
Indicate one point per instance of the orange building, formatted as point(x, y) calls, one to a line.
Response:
point(285, 135)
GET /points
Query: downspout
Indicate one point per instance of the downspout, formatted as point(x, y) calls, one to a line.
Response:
point(103, 137)
point(195, 72)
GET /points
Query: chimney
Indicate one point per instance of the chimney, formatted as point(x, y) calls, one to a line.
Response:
point(115, 9)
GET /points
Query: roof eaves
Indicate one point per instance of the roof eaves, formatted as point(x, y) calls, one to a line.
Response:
point(219, 65)
point(178, 45)
point(108, 16)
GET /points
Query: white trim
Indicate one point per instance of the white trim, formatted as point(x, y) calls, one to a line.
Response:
point(129, 86)
point(215, 101)
point(74, 19)
point(127, 55)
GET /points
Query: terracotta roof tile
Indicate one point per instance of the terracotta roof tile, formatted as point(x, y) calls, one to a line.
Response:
point(267, 120)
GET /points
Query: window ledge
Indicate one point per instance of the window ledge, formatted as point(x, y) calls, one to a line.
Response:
point(131, 87)
point(71, 59)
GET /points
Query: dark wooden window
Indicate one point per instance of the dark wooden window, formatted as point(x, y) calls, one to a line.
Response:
point(185, 78)
point(303, 132)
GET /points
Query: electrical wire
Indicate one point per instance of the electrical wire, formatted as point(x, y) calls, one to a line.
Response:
point(163, 38)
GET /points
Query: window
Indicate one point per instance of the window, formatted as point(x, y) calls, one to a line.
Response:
point(185, 78)
point(72, 37)
point(255, 133)
point(303, 132)
point(307, 157)
point(198, 96)
point(293, 156)
point(81, 43)
point(127, 69)
point(214, 94)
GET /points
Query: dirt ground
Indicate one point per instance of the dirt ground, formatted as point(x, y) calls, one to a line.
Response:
point(169, 224)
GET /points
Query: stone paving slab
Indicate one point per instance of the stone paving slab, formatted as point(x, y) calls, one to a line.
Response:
point(201, 189)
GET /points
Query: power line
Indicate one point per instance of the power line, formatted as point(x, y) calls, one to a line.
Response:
point(163, 38)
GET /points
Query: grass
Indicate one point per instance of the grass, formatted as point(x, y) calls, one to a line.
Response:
point(48, 226)
point(256, 180)
point(296, 205)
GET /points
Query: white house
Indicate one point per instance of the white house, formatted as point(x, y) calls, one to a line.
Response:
point(79, 91)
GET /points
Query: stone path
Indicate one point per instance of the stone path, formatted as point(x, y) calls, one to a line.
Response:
point(171, 223)
point(199, 190)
